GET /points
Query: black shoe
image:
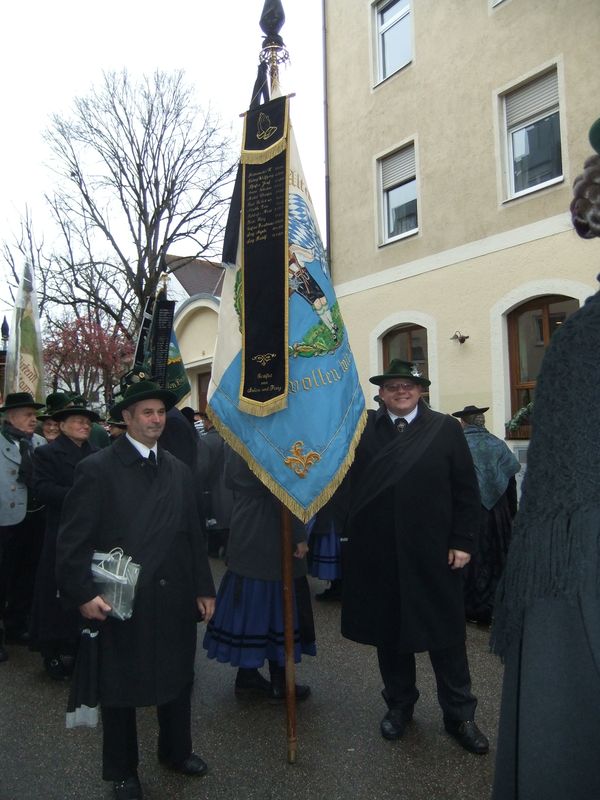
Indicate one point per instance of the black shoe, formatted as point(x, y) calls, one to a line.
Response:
point(193, 765)
point(55, 668)
point(129, 789)
point(3, 654)
point(17, 636)
point(393, 725)
point(334, 592)
point(250, 681)
point(468, 735)
point(277, 692)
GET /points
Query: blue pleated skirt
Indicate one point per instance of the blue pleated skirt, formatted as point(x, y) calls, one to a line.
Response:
point(247, 627)
point(324, 560)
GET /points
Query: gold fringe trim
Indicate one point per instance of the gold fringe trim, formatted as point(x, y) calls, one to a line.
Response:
point(262, 156)
point(303, 514)
point(262, 409)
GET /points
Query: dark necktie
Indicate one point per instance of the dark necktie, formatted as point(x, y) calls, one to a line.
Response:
point(152, 458)
point(401, 424)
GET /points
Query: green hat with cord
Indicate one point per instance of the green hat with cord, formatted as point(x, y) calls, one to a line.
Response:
point(401, 369)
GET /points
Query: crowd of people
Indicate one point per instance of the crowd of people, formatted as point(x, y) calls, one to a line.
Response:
point(417, 541)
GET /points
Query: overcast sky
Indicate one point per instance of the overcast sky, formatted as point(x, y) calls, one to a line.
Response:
point(54, 51)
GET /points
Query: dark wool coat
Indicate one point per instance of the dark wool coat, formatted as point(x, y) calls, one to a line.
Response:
point(119, 500)
point(53, 474)
point(413, 496)
point(254, 549)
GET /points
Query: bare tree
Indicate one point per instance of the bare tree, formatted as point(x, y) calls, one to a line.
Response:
point(140, 167)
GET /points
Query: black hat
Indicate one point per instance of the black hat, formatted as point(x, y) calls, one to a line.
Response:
point(401, 369)
point(20, 400)
point(55, 402)
point(469, 411)
point(144, 390)
point(71, 411)
point(117, 423)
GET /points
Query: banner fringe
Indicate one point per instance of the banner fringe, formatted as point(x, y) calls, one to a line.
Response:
point(257, 409)
point(262, 156)
point(303, 514)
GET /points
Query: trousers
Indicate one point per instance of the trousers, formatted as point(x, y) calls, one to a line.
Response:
point(120, 755)
point(453, 679)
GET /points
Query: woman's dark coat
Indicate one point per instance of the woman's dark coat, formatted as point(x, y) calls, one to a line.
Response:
point(120, 500)
point(414, 497)
point(254, 549)
point(53, 474)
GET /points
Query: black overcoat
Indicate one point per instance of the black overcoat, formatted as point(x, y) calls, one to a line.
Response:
point(119, 500)
point(53, 474)
point(413, 496)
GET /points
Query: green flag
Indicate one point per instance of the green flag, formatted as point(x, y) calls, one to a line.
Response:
point(24, 363)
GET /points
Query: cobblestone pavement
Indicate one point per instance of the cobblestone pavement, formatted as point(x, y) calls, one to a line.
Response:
point(340, 756)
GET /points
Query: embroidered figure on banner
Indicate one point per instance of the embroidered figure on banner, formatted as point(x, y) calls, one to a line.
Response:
point(264, 128)
point(299, 462)
point(305, 248)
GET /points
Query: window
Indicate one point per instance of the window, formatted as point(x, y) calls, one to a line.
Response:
point(399, 193)
point(408, 342)
point(530, 328)
point(533, 135)
point(394, 45)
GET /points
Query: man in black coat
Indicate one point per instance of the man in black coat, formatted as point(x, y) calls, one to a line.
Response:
point(413, 519)
point(137, 496)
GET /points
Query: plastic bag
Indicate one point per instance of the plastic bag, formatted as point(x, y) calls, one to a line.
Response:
point(116, 575)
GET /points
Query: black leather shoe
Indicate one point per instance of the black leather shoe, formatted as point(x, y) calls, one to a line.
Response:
point(193, 765)
point(250, 681)
point(129, 789)
point(55, 669)
point(393, 725)
point(468, 735)
point(277, 692)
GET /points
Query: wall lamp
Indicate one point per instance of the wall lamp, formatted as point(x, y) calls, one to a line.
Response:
point(461, 338)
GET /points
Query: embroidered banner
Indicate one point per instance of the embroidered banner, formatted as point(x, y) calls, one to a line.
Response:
point(301, 452)
point(263, 385)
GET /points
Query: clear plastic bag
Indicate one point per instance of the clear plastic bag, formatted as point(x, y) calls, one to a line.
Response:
point(116, 575)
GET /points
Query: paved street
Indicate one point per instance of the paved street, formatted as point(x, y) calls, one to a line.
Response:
point(341, 754)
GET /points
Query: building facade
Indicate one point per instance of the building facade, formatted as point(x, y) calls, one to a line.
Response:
point(455, 130)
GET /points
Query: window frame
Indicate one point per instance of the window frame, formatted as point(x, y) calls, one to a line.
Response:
point(541, 303)
point(405, 9)
point(523, 121)
point(408, 176)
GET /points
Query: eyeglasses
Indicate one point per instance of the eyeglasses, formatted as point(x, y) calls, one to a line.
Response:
point(400, 387)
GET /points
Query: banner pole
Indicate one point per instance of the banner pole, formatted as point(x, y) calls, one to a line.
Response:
point(288, 620)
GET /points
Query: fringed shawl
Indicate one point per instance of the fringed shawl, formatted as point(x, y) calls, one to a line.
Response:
point(557, 529)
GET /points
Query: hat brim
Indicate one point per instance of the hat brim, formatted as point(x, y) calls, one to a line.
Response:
point(73, 411)
point(468, 412)
point(168, 398)
point(22, 405)
point(379, 380)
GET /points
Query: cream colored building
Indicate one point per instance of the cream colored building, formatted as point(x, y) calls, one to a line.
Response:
point(455, 130)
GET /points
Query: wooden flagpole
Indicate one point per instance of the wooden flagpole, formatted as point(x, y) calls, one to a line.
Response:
point(287, 580)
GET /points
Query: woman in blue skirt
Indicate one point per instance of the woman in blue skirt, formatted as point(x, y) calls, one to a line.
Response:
point(324, 558)
point(247, 628)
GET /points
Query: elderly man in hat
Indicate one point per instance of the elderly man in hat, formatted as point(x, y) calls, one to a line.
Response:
point(496, 466)
point(137, 496)
point(413, 520)
point(21, 516)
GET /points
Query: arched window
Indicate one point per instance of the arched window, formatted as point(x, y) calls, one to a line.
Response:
point(408, 342)
point(530, 328)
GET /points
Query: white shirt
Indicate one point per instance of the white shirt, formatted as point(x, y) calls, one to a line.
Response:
point(409, 417)
point(142, 449)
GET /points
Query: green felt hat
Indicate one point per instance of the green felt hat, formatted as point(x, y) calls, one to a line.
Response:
point(143, 390)
point(400, 369)
point(594, 136)
point(20, 400)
